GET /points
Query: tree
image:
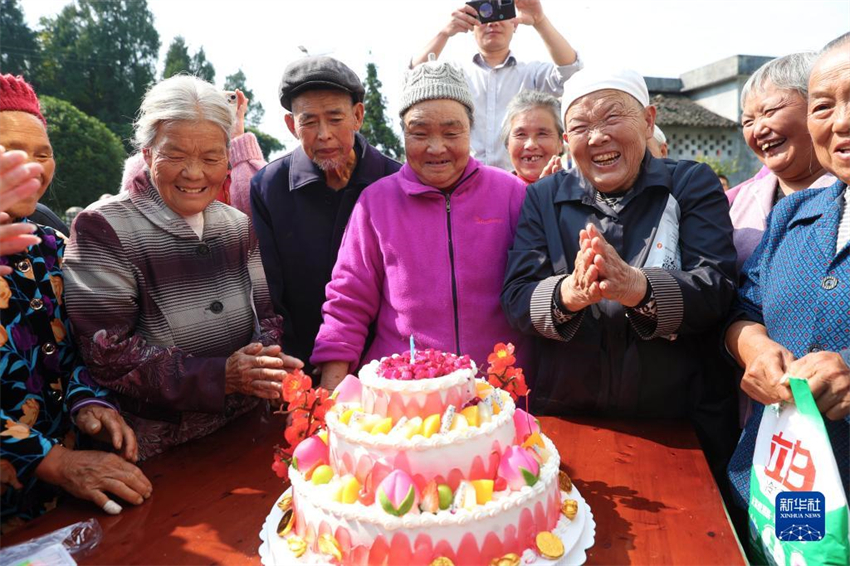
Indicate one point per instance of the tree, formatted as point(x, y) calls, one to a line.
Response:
point(100, 57)
point(177, 60)
point(255, 108)
point(268, 144)
point(89, 157)
point(201, 67)
point(376, 128)
point(20, 51)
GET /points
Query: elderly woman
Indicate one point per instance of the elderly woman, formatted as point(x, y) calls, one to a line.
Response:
point(621, 268)
point(424, 252)
point(774, 121)
point(532, 133)
point(48, 397)
point(165, 285)
point(792, 311)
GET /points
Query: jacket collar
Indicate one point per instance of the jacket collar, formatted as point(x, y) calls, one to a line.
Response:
point(412, 186)
point(303, 172)
point(575, 187)
point(149, 203)
point(509, 61)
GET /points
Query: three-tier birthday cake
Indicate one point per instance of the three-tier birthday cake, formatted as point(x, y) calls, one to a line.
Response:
point(421, 463)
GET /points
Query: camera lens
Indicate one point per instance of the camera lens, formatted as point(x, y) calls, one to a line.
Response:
point(485, 10)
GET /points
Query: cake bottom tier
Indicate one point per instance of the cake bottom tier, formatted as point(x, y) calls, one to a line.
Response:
point(475, 545)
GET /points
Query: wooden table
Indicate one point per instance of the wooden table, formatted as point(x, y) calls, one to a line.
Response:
point(647, 483)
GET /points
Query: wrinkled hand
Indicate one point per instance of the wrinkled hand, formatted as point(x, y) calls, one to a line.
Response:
point(618, 281)
point(763, 378)
point(463, 20)
point(829, 380)
point(90, 475)
point(19, 181)
point(581, 288)
point(241, 109)
point(257, 370)
point(553, 166)
point(107, 425)
point(529, 12)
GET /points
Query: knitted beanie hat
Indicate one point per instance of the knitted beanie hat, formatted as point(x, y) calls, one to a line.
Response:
point(434, 80)
point(17, 94)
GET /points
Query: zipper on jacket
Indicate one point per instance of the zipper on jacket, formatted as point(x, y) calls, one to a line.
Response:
point(452, 264)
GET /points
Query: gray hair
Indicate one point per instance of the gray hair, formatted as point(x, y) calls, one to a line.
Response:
point(787, 73)
point(528, 100)
point(839, 41)
point(469, 114)
point(181, 97)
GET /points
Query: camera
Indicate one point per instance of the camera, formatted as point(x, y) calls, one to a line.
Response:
point(493, 10)
point(230, 96)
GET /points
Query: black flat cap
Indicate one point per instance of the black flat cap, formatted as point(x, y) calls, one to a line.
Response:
point(318, 73)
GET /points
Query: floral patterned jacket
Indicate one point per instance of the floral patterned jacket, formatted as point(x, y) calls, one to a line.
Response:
point(44, 380)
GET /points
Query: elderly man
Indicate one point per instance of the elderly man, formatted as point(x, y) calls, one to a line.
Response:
point(302, 201)
point(495, 75)
point(622, 267)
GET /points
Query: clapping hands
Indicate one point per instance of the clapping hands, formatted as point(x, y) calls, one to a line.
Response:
point(600, 273)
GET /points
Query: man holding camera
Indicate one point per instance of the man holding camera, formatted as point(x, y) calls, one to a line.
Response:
point(494, 74)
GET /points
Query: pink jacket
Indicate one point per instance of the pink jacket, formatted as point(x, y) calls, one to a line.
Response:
point(408, 251)
point(750, 203)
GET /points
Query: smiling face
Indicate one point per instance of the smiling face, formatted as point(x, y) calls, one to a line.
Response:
point(436, 141)
point(188, 164)
point(532, 142)
point(774, 122)
point(495, 36)
point(23, 131)
point(324, 121)
point(607, 132)
point(829, 111)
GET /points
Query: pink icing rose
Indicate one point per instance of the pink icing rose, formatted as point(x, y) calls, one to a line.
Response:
point(525, 424)
point(311, 452)
point(518, 468)
point(349, 390)
point(397, 493)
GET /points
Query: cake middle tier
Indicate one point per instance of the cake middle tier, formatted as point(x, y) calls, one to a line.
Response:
point(411, 398)
point(469, 453)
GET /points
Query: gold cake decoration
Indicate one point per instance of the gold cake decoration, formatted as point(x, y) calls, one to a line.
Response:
point(549, 546)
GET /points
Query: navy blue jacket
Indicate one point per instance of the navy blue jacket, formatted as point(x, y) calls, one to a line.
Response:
point(602, 362)
point(299, 221)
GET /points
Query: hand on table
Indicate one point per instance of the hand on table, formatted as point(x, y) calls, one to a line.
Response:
point(90, 475)
point(105, 424)
point(829, 380)
point(258, 370)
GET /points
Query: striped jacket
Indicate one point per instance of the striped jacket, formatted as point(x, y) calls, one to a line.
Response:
point(158, 311)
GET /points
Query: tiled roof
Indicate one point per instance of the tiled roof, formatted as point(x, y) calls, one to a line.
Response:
point(681, 111)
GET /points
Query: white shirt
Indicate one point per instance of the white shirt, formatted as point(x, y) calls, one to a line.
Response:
point(494, 87)
point(196, 223)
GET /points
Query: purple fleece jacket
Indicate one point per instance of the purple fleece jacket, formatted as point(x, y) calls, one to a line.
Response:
point(394, 268)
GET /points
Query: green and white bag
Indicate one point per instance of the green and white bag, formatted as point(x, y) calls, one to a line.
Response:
point(793, 457)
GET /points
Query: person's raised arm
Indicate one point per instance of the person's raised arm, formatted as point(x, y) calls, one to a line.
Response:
point(463, 20)
point(530, 12)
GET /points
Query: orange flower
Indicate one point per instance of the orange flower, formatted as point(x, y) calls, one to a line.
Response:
point(5, 294)
point(295, 384)
point(502, 356)
point(4, 336)
point(58, 329)
point(58, 287)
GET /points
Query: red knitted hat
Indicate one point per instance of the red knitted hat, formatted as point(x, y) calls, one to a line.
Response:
point(17, 94)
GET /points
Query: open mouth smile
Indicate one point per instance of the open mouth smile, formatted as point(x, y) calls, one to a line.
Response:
point(606, 159)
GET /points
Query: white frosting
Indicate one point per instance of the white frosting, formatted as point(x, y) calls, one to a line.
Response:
point(369, 377)
point(314, 505)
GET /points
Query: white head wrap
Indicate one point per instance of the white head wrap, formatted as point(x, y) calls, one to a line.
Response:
point(659, 135)
point(591, 79)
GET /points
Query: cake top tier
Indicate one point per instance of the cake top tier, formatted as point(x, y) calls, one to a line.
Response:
point(427, 364)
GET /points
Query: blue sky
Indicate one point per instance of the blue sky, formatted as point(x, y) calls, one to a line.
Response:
point(655, 37)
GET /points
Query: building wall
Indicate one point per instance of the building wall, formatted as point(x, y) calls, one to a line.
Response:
point(723, 98)
point(726, 144)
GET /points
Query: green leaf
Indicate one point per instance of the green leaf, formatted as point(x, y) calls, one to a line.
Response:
point(530, 479)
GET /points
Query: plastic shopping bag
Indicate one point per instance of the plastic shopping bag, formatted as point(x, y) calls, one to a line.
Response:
point(798, 510)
